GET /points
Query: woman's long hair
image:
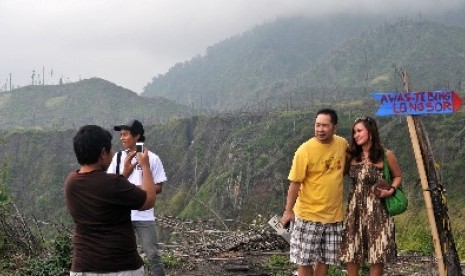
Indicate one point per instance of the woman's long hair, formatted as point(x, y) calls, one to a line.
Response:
point(376, 153)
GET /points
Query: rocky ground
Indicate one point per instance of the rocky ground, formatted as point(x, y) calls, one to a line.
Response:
point(255, 263)
point(253, 251)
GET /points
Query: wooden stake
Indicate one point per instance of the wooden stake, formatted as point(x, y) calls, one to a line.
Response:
point(424, 182)
point(426, 195)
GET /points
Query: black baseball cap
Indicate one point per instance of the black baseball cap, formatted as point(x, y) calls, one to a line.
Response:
point(134, 127)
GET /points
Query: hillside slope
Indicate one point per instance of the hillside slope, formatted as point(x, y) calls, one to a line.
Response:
point(227, 166)
point(432, 53)
point(91, 101)
point(232, 70)
point(296, 62)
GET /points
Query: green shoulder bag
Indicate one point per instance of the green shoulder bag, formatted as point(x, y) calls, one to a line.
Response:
point(398, 202)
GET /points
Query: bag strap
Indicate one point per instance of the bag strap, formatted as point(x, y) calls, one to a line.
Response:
point(387, 173)
point(118, 160)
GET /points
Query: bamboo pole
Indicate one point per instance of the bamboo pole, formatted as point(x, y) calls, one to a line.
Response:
point(424, 182)
point(426, 195)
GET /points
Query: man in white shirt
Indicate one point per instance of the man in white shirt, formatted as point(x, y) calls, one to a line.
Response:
point(125, 164)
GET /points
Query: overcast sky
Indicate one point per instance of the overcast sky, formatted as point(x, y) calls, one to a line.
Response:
point(128, 42)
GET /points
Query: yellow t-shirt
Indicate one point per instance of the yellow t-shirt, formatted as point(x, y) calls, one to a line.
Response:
point(320, 169)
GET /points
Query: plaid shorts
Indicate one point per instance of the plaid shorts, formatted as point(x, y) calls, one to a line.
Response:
point(315, 242)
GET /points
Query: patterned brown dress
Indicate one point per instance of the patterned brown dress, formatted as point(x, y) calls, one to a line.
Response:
point(369, 234)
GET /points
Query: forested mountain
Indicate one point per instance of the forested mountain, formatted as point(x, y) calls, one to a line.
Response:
point(288, 62)
point(432, 52)
point(232, 71)
point(91, 101)
point(227, 166)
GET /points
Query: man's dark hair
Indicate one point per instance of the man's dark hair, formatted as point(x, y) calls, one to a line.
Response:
point(328, 111)
point(135, 128)
point(89, 142)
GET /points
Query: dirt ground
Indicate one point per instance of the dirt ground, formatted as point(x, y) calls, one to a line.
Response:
point(254, 263)
point(203, 250)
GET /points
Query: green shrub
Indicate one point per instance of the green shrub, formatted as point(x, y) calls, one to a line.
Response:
point(57, 263)
point(279, 265)
point(335, 271)
point(171, 261)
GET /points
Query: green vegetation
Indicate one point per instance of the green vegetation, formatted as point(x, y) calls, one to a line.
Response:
point(71, 105)
point(279, 265)
point(4, 193)
point(171, 261)
point(57, 260)
point(415, 235)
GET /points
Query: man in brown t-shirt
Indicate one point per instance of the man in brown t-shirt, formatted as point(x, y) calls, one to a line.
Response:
point(100, 205)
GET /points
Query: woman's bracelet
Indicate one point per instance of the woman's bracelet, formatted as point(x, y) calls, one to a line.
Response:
point(394, 187)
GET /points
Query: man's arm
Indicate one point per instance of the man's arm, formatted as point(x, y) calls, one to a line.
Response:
point(147, 180)
point(396, 175)
point(159, 187)
point(292, 194)
point(158, 173)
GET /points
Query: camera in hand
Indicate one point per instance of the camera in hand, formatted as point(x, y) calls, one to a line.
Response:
point(139, 147)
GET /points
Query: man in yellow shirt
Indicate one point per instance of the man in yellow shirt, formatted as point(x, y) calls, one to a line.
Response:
point(314, 200)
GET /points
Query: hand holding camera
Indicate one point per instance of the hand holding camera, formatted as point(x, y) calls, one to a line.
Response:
point(139, 147)
point(142, 154)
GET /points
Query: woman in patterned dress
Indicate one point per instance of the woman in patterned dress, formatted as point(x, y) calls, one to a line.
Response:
point(369, 230)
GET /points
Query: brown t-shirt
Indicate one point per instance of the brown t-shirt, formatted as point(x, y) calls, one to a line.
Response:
point(100, 205)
